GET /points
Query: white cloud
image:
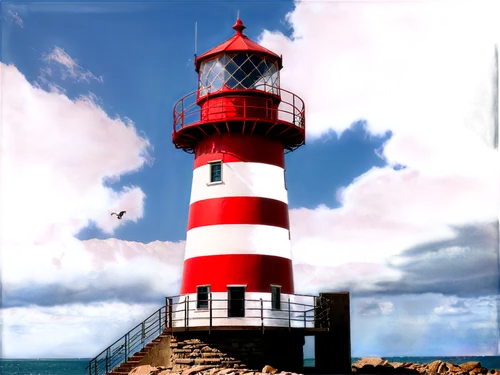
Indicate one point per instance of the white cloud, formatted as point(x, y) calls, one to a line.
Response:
point(392, 63)
point(457, 308)
point(413, 69)
point(16, 18)
point(73, 329)
point(56, 153)
point(69, 67)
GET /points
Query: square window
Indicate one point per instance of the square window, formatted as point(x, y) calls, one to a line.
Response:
point(216, 172)
point(202, 293)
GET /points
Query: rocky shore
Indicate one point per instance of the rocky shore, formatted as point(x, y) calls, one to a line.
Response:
point(367, 365)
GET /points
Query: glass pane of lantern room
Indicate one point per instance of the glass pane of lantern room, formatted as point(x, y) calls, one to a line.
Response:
point(211, 75)
point(253, 76)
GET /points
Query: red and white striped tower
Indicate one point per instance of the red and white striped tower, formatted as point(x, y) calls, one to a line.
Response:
point(238, 124)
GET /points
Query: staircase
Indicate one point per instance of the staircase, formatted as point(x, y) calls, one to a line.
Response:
point(135, 360)
point(116, 359)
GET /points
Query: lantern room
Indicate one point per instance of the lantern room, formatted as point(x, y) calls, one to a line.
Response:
point(238, 64)
point(239, 92)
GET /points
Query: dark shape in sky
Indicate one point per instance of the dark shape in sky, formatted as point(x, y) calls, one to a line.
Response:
point(120, 215)
point(105, 288)
point(464, 264)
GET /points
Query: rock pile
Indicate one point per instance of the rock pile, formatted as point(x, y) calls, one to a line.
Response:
point(205, 370)
point(366, 365)
point(374, 365)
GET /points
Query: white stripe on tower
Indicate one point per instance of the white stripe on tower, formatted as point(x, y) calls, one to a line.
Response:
point(241, 179)
point(238, 239)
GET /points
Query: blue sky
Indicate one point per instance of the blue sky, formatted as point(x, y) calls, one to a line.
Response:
point(384, 202)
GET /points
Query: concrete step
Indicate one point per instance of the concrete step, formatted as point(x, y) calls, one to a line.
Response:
point(133, 361)
point(136, 356)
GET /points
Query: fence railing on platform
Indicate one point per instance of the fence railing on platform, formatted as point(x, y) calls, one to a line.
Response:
point(180, 313)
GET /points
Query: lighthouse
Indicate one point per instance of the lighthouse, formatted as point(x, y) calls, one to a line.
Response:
point(239, 123)
point(237, 305)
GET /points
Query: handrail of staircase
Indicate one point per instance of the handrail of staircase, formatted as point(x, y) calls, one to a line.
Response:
point(131, 342)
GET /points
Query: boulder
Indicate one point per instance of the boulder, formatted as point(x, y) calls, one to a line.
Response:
point(396, 364)
point(269, 370)
point(453, 368)
point(144, 370)
point(469, 366)
point(442, 369)
point(226, 371)
point(195, 369)
point(372, 361)
point(432, 368)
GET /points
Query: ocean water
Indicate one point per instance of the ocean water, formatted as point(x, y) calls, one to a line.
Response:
point(76, 366)
point(72, 366)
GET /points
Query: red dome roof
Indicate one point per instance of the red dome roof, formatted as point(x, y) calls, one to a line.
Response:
point(237, 43)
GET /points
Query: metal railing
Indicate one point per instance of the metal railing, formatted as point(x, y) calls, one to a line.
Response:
point(180, 312)
point(262, 313)
point(290, 110)
point(130, 343)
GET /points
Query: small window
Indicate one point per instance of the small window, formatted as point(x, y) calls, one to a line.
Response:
point(216, 171)
point(275, 297)
point(202, 293)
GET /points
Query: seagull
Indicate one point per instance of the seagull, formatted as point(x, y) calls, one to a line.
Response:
point(120, 215)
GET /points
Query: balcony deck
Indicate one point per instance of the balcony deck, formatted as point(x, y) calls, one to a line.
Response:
point(240, 111)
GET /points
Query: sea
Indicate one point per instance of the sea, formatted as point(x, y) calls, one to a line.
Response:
point(77, 366)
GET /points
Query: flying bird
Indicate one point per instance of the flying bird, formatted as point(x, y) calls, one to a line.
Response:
point(120, 215)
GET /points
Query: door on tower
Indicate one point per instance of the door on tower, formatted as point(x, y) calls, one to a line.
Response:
point(235, 301)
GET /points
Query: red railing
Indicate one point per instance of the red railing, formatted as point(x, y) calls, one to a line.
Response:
point(291, 109)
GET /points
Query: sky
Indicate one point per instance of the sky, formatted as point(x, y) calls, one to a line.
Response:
point(394, 197)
